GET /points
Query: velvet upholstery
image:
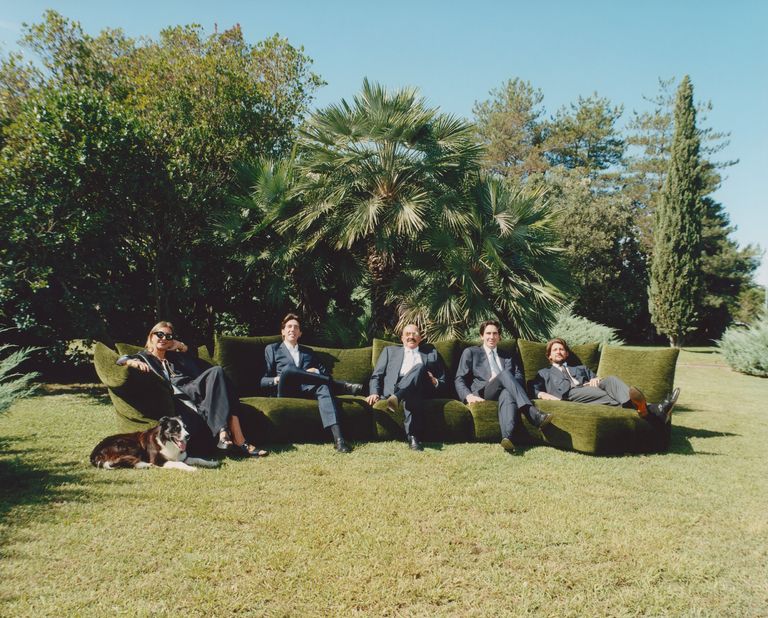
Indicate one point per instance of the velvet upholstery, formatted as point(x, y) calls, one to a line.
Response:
point(652, 371)
point(140, 399)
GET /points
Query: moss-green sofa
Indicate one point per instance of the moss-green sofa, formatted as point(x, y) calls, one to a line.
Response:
point(140, 398)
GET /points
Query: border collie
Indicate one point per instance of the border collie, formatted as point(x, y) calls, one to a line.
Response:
point(163, 446)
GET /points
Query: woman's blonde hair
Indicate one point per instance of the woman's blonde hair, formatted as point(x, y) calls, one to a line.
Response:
point(148, 346)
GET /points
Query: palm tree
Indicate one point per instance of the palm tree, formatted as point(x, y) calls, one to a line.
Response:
point(292, 275)
point(377, 176)
point(505, 263)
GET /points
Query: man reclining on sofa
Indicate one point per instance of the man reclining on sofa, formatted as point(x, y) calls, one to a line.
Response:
point(561, 381)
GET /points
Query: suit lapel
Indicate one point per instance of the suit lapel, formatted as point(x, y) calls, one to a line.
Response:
point(304, 357)
point(397, 360)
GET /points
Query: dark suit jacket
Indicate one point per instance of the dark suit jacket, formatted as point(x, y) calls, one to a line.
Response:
point(474, 370)
point(278, 357)
point(553, 381)
point(387, 370)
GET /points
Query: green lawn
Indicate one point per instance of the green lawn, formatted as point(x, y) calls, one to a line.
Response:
point(461, 529)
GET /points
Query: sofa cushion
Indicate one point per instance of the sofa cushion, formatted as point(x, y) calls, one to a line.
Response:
point(650, 370)
point(445, 420)
point(242, 359)
point(600, 430)
point(288, 419)
point(347, 364)
point(140, 399)
point(533, 355)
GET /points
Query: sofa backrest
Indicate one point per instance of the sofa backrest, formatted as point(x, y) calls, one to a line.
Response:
point(650, 370)
point(242, 359)
point(346, 364)
point(533, 355)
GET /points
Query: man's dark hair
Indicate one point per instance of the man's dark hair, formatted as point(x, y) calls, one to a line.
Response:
point(288, 318)
point(552, 342)
point(487, 323)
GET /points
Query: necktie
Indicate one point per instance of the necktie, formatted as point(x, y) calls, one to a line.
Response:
point(495, 369)
point(571, 379)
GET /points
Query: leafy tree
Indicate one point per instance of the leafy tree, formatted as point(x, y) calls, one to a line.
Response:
point(728, 272)
point(577, 153)
point(199, 104)
point(599, 234)
point(676, 282)
point(77, 176)
point(585, 135)
point(510, 126)
point(647, 163)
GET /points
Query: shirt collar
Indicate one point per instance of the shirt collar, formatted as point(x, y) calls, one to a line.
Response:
point(489, 350)
point(291, 348)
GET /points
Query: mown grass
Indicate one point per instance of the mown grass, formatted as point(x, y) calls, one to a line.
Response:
point(461, 530)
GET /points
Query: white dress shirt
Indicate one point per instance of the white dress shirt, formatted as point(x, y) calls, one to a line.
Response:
point(293, 351)
point(411, 358)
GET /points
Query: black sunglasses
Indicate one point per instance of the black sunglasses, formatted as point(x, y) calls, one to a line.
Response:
point(161, 335)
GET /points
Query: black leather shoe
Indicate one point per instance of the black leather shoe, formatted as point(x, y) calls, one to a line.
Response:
point(341, 446)
point(672, 400)
point(665, 407)
point(507, 445)
point(544, 420)
point(392, 403)
point(414, 444)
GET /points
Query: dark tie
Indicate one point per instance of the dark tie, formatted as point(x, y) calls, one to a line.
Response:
point(568, 375)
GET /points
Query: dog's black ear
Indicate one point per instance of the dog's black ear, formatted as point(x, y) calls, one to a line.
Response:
point(163, 420)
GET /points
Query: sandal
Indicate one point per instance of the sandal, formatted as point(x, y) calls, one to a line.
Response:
point(225, 441)
point(251, 451)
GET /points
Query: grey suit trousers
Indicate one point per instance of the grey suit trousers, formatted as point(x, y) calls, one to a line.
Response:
point(611, 392)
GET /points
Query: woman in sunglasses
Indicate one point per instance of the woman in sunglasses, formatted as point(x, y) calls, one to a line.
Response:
point(202, 388)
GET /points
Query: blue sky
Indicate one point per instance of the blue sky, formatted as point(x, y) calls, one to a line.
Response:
point(456, 52)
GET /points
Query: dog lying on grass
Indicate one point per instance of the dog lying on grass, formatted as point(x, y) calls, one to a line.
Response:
point(163, 446)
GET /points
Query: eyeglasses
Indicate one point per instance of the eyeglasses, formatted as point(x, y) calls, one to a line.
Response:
point(161, 335)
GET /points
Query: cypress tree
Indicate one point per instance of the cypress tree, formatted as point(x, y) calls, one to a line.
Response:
point(676, 277)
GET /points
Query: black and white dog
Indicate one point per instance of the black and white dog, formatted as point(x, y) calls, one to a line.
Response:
point(164, 446)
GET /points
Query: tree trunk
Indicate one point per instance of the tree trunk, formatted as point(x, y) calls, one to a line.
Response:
point(381, 268)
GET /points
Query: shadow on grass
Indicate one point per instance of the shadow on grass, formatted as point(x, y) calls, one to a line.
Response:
point(279, 448)
point(24, 484)
point(97, 392)
point(680, 444)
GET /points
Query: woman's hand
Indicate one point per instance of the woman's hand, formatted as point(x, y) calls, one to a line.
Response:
point(180, 347)
point(137, 364)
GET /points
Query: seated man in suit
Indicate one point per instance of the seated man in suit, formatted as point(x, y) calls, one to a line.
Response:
point(295, 372)
point(407, 374)
point(579, 383)
point(485, 373)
